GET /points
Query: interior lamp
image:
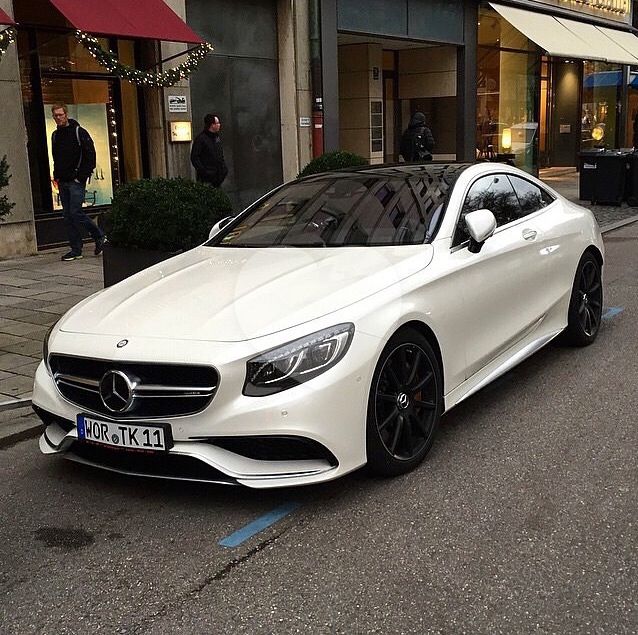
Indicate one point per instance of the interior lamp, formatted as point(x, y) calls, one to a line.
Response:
point(506, 139)
point(181, 131)
point(597, 133)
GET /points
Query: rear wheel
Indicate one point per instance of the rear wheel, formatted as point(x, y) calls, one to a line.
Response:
point(404, 406)
point(586, 303)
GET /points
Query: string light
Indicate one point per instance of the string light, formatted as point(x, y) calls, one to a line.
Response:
point(156, 79)
point(6, 37)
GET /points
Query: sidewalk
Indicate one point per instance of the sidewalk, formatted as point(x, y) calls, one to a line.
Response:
point(36, 290)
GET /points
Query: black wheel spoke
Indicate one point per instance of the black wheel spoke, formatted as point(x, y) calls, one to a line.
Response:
point(421, 424)
point(428, 377)
point(588, 322)
point(388, 419)
point(428, 405)
point(387, 397)
point(409, 438)
point(415, 367)
point(393, 376)
point(403, 358)
point(594, 288)
point(397, 434)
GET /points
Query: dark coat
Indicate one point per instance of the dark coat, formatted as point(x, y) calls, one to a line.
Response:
point(417, 141)
point(73, 153)
point(207, 157)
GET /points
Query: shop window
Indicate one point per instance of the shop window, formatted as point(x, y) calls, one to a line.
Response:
point(90, 102)
point(602, 85)
point(507, 119)
point(376, 125)
point(63, 53)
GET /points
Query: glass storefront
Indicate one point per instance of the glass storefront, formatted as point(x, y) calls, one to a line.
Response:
point(55, 68)
point(507, 93)
point(601, 96)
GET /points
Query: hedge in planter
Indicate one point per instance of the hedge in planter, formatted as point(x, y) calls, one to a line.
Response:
point(164, 214)
point(337, 160)
point(152, 219)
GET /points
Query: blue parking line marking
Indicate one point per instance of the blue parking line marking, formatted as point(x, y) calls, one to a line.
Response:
point(241, 535)
point(612, 311)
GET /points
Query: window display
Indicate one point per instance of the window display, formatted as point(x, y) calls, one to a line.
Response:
point(95, 119)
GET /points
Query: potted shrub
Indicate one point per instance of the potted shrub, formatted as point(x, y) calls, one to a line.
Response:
point(151, 220)
point(5, 204)
point(337, 160)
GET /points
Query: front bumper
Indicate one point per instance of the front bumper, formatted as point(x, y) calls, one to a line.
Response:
point(328, 412)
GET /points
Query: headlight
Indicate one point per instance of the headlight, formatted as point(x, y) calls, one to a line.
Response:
point(298, 361)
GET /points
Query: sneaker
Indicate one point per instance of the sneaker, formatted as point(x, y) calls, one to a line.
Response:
point(71, 256)
point(99, 245)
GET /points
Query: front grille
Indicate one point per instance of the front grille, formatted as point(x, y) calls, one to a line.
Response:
point(161, 390)
point(159, 465)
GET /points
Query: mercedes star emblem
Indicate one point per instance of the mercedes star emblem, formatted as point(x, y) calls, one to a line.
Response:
point(117, 391)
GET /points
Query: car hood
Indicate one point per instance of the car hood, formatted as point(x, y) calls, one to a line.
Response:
point(234, 294)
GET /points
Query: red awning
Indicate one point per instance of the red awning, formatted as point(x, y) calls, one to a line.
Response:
point(4, 18)
point(148, 19)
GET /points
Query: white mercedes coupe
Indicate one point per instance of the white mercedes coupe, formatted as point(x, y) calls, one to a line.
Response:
point(326, 327)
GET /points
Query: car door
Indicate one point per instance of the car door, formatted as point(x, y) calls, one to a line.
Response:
point(503, 284)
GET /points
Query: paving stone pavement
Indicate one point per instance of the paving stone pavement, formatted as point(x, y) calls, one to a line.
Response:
point(36, 291)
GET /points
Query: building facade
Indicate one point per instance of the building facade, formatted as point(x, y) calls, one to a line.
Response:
point(257, 80)
point(535, 81)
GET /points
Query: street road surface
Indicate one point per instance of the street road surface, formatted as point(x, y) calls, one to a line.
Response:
point(521, 520)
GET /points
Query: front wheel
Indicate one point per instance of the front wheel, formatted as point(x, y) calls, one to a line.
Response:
point(586, 303)
point(404, 406)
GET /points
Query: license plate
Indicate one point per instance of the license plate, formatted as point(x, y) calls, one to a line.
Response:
point(131, 436)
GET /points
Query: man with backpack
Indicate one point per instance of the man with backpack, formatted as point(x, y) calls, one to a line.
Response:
point(417, 141)
point(73, 162)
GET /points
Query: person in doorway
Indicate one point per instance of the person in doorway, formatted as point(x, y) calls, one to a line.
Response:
point(417, 141)
point(207, 154)
point(73, 162)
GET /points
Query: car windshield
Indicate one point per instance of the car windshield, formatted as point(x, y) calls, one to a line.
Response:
point(354, 209)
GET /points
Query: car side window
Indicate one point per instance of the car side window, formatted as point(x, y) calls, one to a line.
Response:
point(530, 196)
point(493, 192)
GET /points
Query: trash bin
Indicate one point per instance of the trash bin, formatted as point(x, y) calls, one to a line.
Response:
point(587, 170)
point(603, 176)
point(631, 186)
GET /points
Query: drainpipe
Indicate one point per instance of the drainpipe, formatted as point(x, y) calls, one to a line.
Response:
point(315, 77)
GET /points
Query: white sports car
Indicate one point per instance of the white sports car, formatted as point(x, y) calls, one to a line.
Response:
point(326, 327)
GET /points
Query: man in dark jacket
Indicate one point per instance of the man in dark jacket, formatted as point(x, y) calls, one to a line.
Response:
point(207, 155)
point(73, 162)
point(417, 141)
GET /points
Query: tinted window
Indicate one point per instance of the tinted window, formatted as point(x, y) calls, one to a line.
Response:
point(492, 192)
point(332, 212)
point(530, 196)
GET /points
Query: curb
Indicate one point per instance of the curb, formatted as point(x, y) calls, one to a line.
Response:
point(618, 224)
point(15, 403)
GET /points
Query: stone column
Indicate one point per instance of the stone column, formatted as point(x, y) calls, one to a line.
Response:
point(17, 231)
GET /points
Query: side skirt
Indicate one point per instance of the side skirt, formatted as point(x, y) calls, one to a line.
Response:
point(495, 369)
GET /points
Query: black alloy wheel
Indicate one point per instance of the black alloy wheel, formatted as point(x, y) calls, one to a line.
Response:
point(405, 405)
point(586, 303)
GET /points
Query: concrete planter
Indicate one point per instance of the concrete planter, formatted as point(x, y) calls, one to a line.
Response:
point(119, 263)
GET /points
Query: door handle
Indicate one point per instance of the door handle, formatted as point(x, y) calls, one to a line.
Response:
point(529, 234)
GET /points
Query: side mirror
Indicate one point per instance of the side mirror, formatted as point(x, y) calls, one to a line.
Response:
point(219, 225)
point(480, 225)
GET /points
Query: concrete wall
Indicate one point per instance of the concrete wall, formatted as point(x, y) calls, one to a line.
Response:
point(295, 95)
point(177, 153)
point(358, 85)
point(17, 232)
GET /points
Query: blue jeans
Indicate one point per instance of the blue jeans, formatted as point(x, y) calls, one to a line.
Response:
point(72, 197)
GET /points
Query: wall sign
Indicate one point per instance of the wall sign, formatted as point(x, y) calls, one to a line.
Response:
point(177, 103)
point(304, 122)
